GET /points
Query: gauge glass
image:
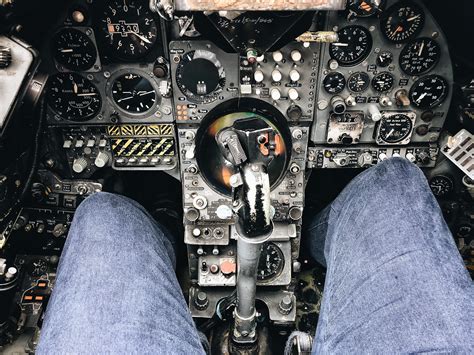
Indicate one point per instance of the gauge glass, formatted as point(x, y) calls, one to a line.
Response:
point(353, 46)
point(384, 59)
point(383, 82)
point(429, 91)
point(74, 50)
point(73, 97)
point(334, 83)
point(402, 22)
point(395, 128)
point(420, 56)
point(365, 8)
point(271, 262)
point(133, 93)
point(358, 82)
point(128, 28)
point(200, 76)
point(441, 185)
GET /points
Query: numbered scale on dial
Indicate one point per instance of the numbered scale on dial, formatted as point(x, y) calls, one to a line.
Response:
point(429, 91)
point(358, 82)
point(395, 129)
point(74, 50)
point(383, 82)
point(353, 46)
point(334, 83)
point(420, 56)
point(402, 22)
point(73, 97)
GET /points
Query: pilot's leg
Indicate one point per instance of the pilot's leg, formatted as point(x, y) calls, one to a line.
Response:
point(116, 290)
point(395, 280)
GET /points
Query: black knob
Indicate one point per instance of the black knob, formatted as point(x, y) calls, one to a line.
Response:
point(38, 191)
point(160, 70)
point(201, 301)
point(345, 139)
point(294, 112)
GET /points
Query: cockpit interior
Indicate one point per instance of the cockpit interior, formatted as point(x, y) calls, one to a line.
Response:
point(233, 124)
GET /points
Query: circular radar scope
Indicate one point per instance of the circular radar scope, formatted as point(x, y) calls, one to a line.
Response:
point(200, 76)
point(243, 114)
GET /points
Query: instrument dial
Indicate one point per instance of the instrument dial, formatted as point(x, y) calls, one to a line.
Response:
point(383, 82)
point(395, 129)
point(133, 93)
point(365, 8)
point(420, 56)
point(73, 97)
point(271, 262)
point(358, 82)
point(200, 76)
point(402, 22)
point(384, 59)
point(429, 91)
point(74, 50)
point(334, 83)
point(441, 185)
point(128, 28)
point(354, 45)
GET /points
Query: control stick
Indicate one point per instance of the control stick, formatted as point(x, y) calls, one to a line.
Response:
point(250, 149)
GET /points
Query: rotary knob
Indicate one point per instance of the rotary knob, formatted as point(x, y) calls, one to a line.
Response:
point(79, 165)
point(276, 75)
point(275, 94)
point(5, 57)
point(258, 76)
point(101, 159)
point(295, 75)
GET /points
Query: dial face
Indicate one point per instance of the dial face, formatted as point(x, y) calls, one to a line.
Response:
point(334, 83)
point(429, 91)
point(383, 82)
point(420, 56)
point(358, 82)
point(384, 59)
point(200, 76)
point(271, 262)
point(73, 97)
point(354, 45)
point(402, 22)
point(128, 28)
point(133, 93)
point(74, 50)
point(365, 8)
point(441, 185)
point(395, 128)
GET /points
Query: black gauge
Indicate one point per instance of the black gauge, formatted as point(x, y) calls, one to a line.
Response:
point(402, 22)
point(74, 50)
point(271, 262)
point(353, 46)
point(358, 82)
point(365, 8)
point(429, 91)
point(334, 83)
point(73, 97)
point(384, 59)
point(420, 56)
point(395, 129)
point(128, 28)
point(133, 93)
point(200, 76)
point(441, 185)
point(383, 82)
point(37, 267)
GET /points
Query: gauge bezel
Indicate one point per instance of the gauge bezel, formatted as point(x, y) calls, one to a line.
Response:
point(211, 57)
point(394, 8)
point(361, 58)
point(404, 51)
point(389, 114)
point(60, 115)
point(367, 82)
point(64, 68)
point(154, 110)
point(372, 83)
point(331, 75)
point(437, 103)
point(280, 267)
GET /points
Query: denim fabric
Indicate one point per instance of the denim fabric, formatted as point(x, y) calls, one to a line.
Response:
point(395, 280)
point(116, 290)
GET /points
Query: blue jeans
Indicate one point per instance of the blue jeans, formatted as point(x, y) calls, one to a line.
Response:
point(395, 281)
